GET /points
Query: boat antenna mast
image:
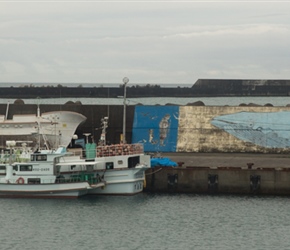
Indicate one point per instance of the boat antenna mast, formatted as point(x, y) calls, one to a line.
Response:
point(104, 128)
point(40, 132)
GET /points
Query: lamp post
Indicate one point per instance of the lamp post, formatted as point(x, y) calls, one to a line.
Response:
point(125, 81)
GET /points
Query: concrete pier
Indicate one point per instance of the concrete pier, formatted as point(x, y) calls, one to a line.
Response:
point(222, 174)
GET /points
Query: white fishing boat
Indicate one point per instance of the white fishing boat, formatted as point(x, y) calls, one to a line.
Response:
point(52, 129)
point(121, 166)
point(40, 178)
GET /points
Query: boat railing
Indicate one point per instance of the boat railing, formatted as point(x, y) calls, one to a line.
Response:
point(80, 177)
point(108, 150)
point(120, 149)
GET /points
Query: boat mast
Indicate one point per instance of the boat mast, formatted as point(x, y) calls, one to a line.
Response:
point(7, 109)
point(104, 127)
point(40, 133)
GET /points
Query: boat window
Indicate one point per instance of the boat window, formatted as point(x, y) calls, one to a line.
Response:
point(33, 180)
point(109, 165)
point(15, 167)
point(41, 157)
point(72, 167)
point(2, 167)
point(133, 161)
point(38, 157)
point(25, 168)
point(120, 162)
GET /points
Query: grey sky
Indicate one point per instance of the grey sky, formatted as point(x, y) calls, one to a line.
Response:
point(149, 42)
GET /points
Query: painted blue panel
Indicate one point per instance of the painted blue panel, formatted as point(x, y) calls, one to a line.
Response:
point(268, 129)
point(156, 127)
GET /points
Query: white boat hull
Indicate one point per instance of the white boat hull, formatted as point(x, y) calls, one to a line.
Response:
point(55, 190)
point(57, 128)
point(122, 182)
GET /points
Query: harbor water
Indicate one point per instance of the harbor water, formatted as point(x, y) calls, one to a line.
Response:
point(147, 221)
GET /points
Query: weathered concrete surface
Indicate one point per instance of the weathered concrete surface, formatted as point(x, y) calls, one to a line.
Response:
point(219, 181)
point(197, 134)
point(230, 159)
point(222, 174)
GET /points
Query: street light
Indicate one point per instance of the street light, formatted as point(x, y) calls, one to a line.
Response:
point(125, 81)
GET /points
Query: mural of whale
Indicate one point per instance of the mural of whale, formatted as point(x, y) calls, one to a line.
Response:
point(266, 129)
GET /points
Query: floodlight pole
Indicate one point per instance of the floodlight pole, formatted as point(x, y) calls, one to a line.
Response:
point(125, 81)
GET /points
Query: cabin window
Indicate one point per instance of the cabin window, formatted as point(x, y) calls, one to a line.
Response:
point(41, 157)
point(120, 162)
point(15, 168)
point(109, 165)
point(2, 167)
point(72, 167)
point(25, 168)
point(133, 161)
point(38, 157)
point(33, 180)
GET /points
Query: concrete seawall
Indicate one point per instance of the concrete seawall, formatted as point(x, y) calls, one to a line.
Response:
point(202, 87)
point(222, 174)
point(219, 181)
point(173, 128)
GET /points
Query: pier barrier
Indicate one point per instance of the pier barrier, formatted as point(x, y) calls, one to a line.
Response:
point(221, 180)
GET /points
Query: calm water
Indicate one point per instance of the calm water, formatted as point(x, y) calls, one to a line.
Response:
point(147, 221)
point(209, 101)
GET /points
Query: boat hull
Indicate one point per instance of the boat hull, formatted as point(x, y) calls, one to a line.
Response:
point(57, 128)
point(56, 190)
point(121, 182)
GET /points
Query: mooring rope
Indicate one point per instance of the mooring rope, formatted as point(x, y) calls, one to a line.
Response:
point(154, 171)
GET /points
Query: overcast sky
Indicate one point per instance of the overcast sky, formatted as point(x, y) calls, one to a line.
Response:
point(151, 42)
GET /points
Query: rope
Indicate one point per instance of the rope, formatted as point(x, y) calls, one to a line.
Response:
point(154, 171)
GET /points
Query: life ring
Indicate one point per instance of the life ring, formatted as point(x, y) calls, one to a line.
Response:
point(20, 180)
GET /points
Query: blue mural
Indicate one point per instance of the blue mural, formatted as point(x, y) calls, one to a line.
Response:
point(156, 127)
point(269, 129)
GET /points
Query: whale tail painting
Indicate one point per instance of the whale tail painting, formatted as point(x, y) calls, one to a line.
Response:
point(266, 129)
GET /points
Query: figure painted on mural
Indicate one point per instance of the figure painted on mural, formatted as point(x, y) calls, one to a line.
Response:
point(164, 128)
point(151, 137)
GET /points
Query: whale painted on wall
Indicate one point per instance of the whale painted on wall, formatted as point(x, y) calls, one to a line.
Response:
point(266, 129)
